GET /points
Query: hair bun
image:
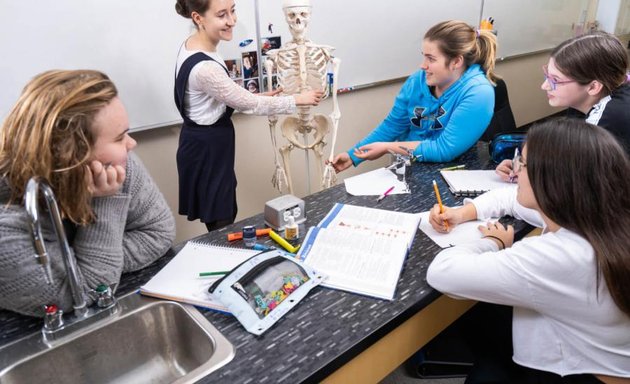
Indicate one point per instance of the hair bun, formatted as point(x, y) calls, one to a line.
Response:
point(182, 9)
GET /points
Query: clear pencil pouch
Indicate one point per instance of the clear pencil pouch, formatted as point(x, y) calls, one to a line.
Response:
point(265, 287)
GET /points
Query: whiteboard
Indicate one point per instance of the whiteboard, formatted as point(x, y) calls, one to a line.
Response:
point(375, 41)
point(533, 25)
point(135, 42)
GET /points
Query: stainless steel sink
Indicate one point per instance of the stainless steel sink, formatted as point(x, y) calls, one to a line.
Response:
point(143, 340)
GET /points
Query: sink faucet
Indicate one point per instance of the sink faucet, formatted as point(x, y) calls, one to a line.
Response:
point(31, 200)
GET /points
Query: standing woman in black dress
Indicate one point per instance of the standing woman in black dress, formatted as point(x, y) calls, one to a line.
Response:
point(206, 97)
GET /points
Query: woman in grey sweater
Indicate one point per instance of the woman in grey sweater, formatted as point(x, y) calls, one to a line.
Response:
point(71, 128)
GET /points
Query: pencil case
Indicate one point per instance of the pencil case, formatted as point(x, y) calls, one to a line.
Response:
point(264, 288)
point(502, 146)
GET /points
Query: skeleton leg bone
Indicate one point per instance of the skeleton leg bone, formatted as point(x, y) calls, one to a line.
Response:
point(285, 151)
point(318, 152)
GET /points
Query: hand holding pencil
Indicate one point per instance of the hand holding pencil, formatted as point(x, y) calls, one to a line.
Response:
point(440, 207)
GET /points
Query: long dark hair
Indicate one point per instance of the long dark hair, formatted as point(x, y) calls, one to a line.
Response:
point(595, 56)
point(579, 174)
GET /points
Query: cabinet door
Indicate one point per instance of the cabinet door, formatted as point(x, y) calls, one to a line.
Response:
point(623, 21)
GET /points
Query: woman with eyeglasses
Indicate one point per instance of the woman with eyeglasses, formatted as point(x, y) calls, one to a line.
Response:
point(570, 286)
point(443, 109)
point(588, 75)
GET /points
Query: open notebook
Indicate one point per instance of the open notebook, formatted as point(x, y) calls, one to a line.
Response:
point(362, 250)
point(179, 279)
point(472, 183)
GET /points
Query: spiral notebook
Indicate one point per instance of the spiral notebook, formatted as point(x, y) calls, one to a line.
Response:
point(179, 279)
point(472, 183)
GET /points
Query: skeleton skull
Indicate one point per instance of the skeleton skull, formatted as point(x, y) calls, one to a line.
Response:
point(297, 14)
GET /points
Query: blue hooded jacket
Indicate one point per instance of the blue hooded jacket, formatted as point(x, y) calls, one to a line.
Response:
point(446, 126)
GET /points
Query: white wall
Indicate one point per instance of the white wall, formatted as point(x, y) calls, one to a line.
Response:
point(361, 111)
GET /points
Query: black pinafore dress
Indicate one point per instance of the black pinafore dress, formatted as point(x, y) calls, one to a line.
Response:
point(205, 159)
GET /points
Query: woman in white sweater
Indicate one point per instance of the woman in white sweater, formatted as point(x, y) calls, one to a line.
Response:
point(570, 286)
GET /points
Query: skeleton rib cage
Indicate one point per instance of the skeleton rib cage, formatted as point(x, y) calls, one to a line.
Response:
point(316, 59)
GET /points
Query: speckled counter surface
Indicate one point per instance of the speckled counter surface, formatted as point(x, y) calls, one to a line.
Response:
point(329, 327)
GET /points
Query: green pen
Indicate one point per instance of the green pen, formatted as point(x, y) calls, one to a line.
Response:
point(454, 168)
point(218, 273)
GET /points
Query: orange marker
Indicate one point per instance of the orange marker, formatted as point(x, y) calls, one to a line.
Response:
point(439, 199)
point(239, 235)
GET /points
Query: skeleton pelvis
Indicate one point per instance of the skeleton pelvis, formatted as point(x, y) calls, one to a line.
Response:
point(319, 125)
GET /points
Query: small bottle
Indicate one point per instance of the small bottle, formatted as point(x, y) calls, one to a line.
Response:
point(249, 235)
point(291, 229)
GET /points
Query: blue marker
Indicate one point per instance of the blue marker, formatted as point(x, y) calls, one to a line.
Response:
point(245, 43)
point(261, 247)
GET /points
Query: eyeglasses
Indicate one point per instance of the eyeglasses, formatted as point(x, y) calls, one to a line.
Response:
point(518, 164)
point(552, 82)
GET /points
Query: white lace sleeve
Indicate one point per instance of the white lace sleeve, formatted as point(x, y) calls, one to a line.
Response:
point(213, 80)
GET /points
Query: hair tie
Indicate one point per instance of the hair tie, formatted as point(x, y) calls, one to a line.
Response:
point(496, 238)
point(477, 32)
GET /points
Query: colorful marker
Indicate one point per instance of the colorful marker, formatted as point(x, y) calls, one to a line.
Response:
point(239, 235)
point(218, 273)
point(285, 244)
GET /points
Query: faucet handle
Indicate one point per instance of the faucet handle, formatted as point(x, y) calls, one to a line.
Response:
point(103, 295)
point(53, 319)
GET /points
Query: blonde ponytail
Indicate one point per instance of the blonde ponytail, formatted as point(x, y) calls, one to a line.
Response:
point(486, 46)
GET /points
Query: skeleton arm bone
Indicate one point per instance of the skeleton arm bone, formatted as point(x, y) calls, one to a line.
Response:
point(336, 113)
point(329, 177)
point(279, 178)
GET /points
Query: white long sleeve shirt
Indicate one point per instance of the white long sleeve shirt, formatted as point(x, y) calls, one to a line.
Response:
point(210, 89)
point(562, 323)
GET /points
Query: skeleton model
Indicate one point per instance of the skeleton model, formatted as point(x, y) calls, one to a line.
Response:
point(301, 66)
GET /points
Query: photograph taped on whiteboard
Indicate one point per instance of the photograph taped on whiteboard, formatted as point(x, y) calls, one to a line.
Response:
point(265, 287)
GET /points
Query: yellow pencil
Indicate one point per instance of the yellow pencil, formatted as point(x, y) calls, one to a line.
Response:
point(439, 199)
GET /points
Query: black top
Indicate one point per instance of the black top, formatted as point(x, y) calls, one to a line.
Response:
point(205, 158)
point(181, 83)
point(614, 115)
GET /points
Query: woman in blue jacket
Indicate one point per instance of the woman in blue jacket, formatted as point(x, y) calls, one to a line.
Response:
point(444, 108)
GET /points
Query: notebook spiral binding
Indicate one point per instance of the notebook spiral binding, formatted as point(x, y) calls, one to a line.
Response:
point(217, 245)
point(472, 193)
